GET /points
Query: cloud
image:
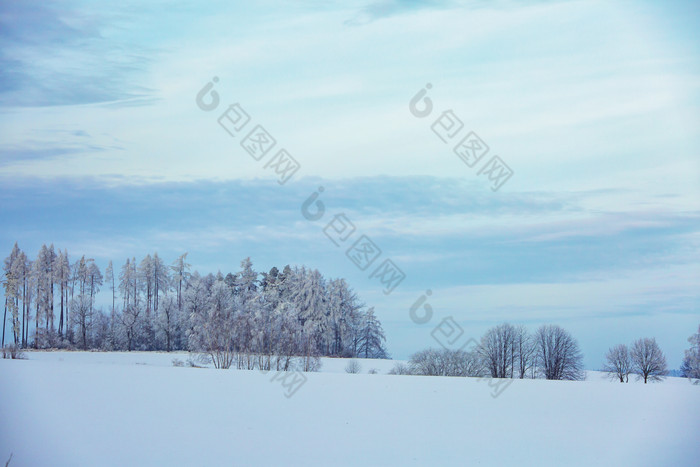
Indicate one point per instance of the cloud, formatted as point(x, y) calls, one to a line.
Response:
point(56, 54)
point(386, 8)
point(54, 144)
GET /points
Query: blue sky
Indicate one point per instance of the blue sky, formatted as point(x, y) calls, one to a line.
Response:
point(594, 105)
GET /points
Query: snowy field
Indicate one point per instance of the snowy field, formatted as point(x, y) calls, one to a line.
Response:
point(94, 409)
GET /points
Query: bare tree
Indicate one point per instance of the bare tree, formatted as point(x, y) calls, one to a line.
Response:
point(525, 350)
point(648, 362)
point(498, 350)
point(558, 354)
point(618, 363)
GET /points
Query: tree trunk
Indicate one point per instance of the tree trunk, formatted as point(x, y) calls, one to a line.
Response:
point(4, 318)
point(36, 324)
point(60, 321)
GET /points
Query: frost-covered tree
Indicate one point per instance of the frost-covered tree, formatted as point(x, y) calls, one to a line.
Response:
point(145, 274)
point(11, 284)
point(27, 297)
point(110, 281)
point(81, 318)
point(343, 310)
point(101, 336)
point(131, 318)
point(43, 280)
point(94, 279)
point(372, 337)
point(690, 368)
point(213, 327)
point(130, 322)
point(180, 275)
point(648, 361)
point(128, 284)
point(618, 363)
point(168, 321)
point(280, 319)
point(307, 294)
point(161, 280)
point(62, 277)
point(559, 357)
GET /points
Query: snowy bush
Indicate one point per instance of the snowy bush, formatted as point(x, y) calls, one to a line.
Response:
point(13, 352)
point(443, 362)
point(400, 369)
point(353, 367)
point(198, 360)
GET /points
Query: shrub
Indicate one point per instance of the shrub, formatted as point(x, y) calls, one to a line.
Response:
point(13, 352)
point(353, 367)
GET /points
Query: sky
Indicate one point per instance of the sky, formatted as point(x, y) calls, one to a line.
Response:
point(123, 131)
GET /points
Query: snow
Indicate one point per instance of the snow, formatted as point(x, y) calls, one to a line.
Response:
point(118, 408)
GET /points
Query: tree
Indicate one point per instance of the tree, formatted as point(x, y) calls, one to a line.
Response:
point(372, 337)
point(130, 318)
point(525, 350)
point(161, 280)
point(213, 326)
point(82, 317)
point(145, 271)
point(342, 306)
point(110, 280)
point(180, 275)
point(62, 273)
point(558, 354)
point(648, 362)
point(618, 363)
point(11, 285)
point(168, 320)
point(43, 279)
point(690, 368)
point(498, 350)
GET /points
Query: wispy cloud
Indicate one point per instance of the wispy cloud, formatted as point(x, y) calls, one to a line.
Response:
point(60, 54)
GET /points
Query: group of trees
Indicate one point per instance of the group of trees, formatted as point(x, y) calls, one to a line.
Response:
point(245, 317)
point(505, 351)
point(690, 368)
point(644, 358)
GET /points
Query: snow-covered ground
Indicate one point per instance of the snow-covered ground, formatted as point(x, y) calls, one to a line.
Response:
point(92, 408)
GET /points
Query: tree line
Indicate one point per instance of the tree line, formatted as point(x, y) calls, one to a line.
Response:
point(510, 351)
point(244, 317)
point(505, 351)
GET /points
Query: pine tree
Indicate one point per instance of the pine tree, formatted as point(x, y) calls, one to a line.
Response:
point(372, 337)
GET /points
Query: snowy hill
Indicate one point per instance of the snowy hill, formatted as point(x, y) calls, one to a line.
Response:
point(90, 408)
